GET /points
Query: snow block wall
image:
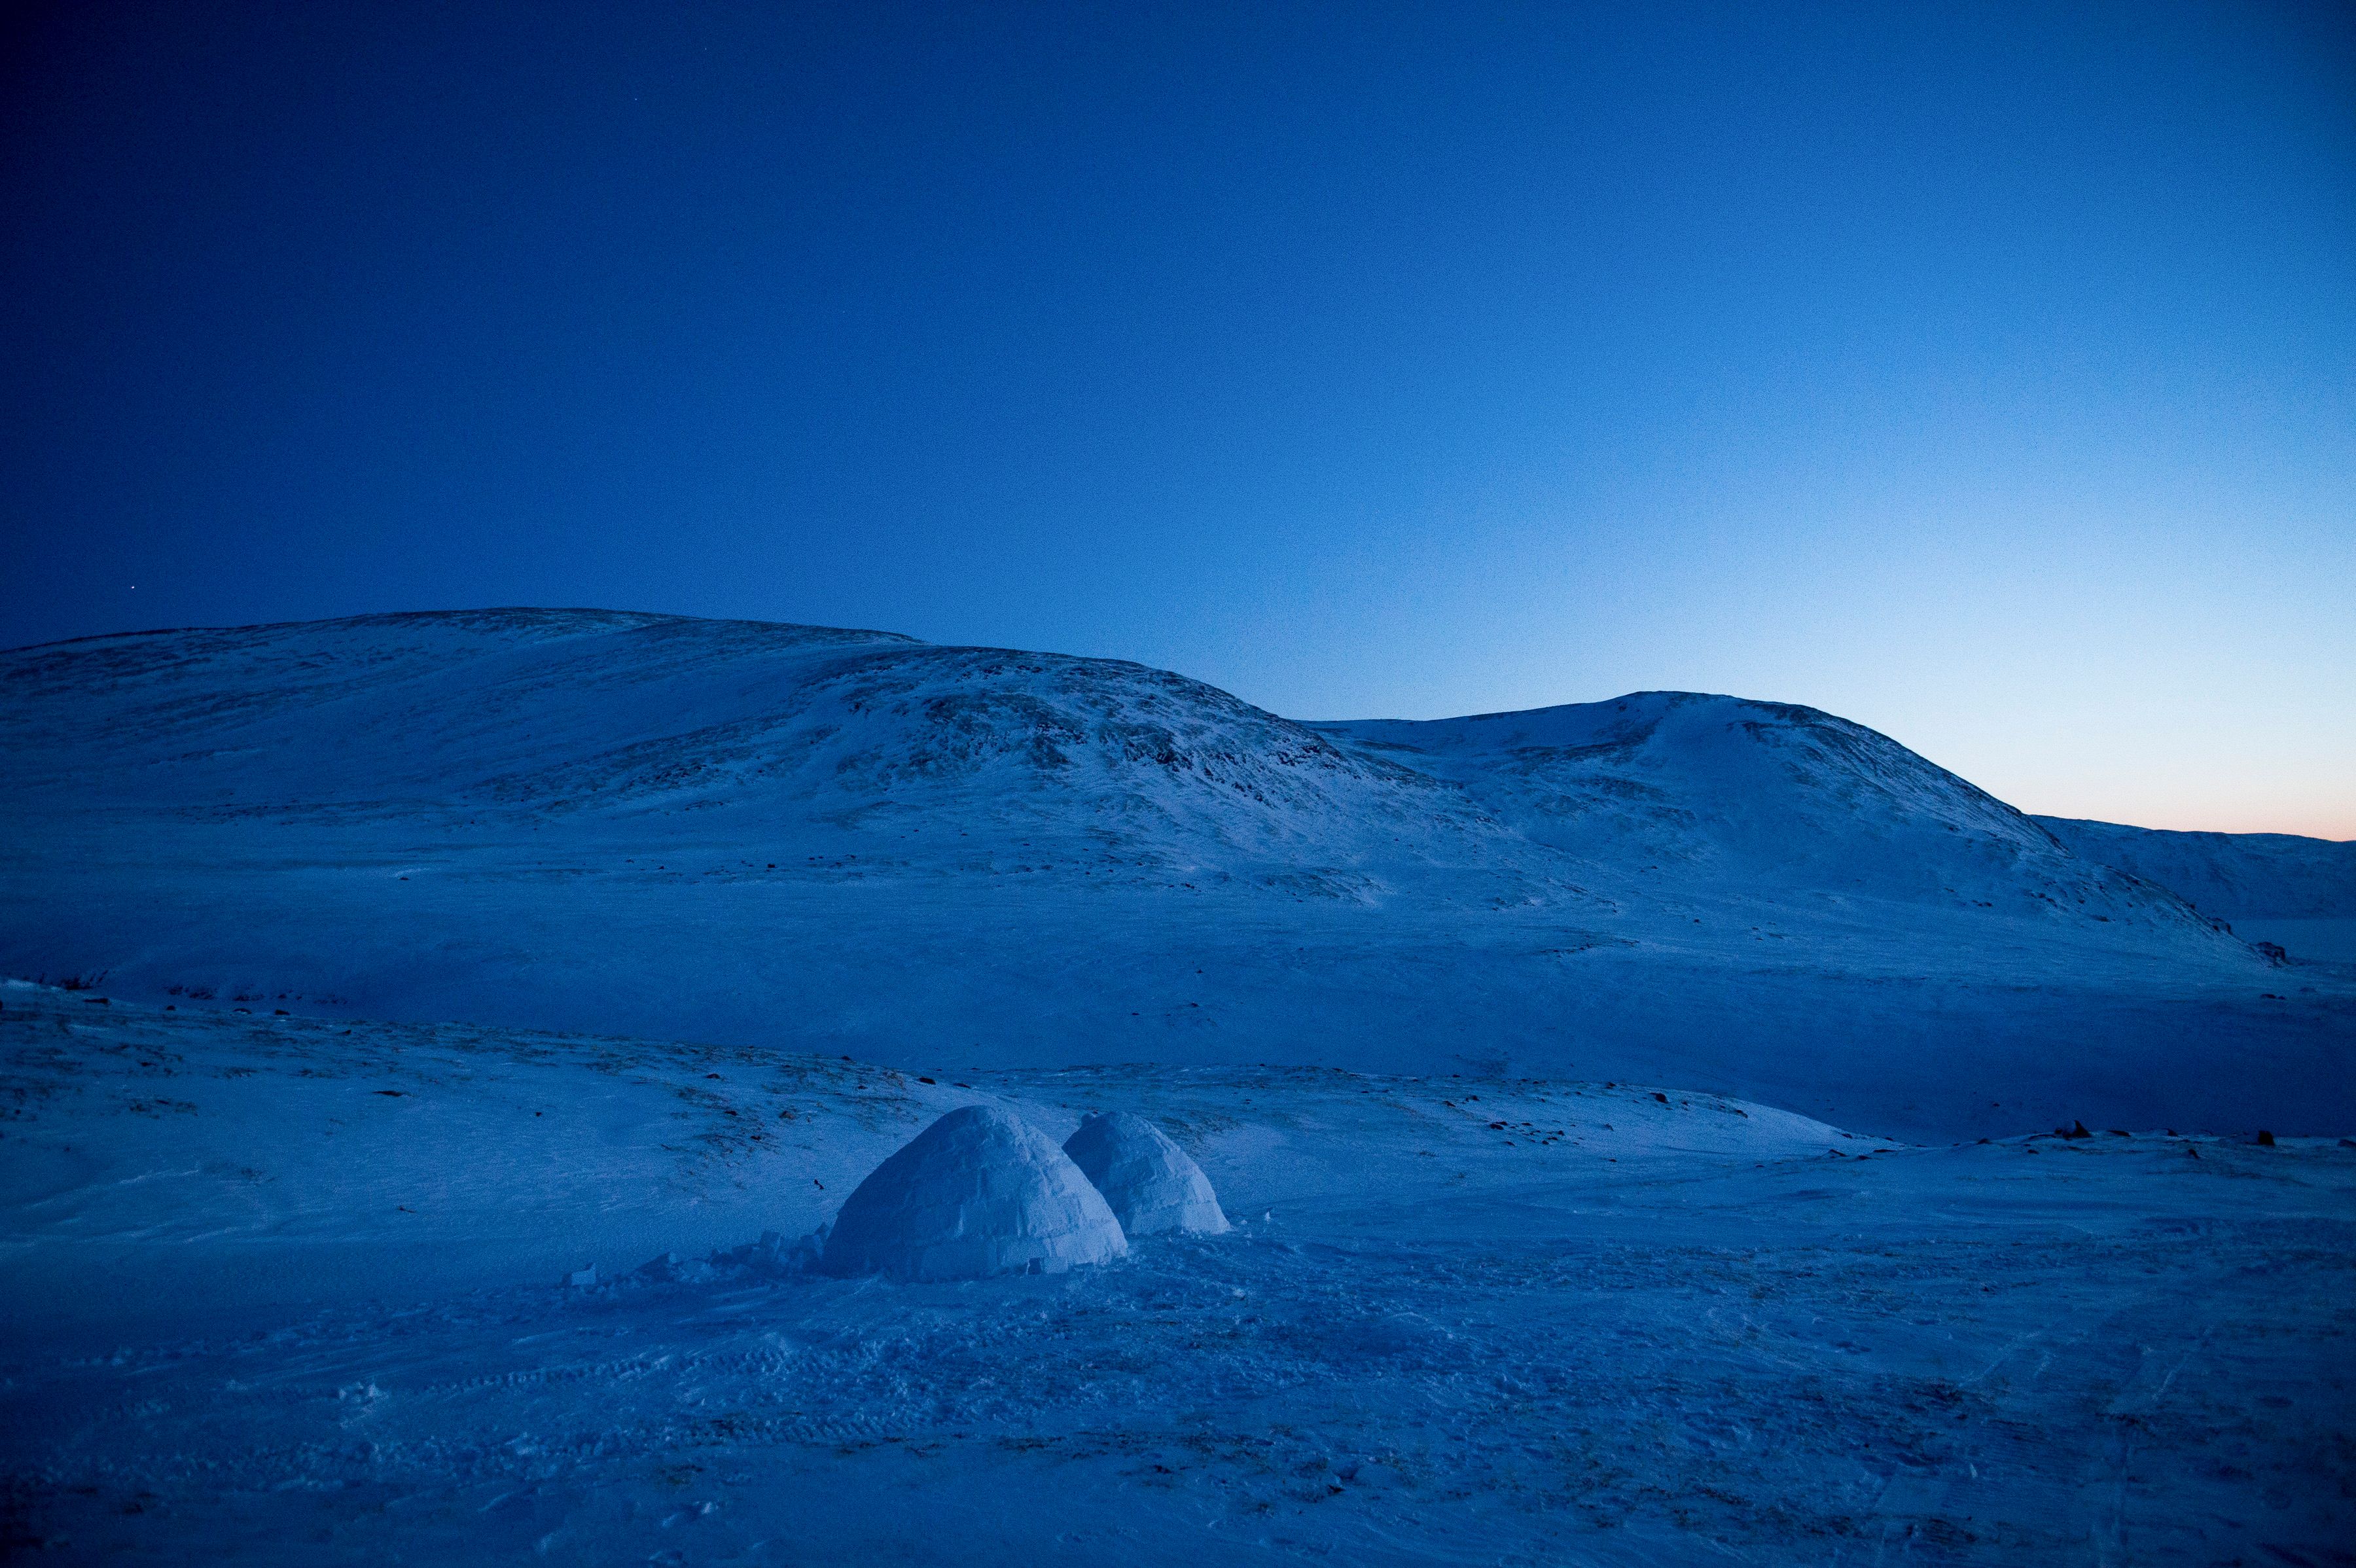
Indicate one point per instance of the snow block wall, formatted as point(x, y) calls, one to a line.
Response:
point(1151, 1183)
point(979, 1192)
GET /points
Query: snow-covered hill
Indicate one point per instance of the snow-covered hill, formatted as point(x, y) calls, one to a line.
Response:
point(815, 839)
point(1753, 798)
point(596, 722)
point(2231, 875)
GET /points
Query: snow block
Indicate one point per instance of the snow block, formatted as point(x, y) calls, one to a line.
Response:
point(1150, 1182)
point(979, 1192)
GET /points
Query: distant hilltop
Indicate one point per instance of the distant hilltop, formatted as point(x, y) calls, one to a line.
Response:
point(549, 715)
point(2233, 874)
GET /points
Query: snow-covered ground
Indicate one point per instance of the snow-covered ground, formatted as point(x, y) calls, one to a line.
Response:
point(276, 1292)
point(850, 841)
point(1640, 1122)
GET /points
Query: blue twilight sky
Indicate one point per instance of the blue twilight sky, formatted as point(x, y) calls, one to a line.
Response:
point(1985, 374)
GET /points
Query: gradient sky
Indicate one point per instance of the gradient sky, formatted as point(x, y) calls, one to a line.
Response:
point(1983, 374)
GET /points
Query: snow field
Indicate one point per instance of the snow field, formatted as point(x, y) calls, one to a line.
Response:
point(1458, 1320)
point(165, 1167)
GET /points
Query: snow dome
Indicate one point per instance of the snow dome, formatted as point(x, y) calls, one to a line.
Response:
point(979, 1192)
point(1150, 1182)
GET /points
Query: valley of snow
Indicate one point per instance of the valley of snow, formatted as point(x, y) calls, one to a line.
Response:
point(433, 1044)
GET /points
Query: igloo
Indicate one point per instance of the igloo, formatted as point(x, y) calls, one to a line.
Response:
point(979, 1192)
point(1150, 1182)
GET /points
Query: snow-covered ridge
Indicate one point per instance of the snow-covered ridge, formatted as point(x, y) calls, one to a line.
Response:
point(545, 715)
point(2227, 875)
point(1755, 795)
point(851, 842)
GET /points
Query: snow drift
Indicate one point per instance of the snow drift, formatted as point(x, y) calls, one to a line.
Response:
point(979, 1192)
point(1151, 1184)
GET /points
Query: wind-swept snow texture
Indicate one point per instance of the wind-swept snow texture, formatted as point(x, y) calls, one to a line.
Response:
point(978, 1193)
point(848, 841)
point(1151, 1183)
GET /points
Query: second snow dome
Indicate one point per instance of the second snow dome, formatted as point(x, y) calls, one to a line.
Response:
point(1150, 1182)
point(979, 1192)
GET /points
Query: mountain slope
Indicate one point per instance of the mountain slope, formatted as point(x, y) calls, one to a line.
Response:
point(599, 722)
point(2228, 875)
point(930, 856)
point(1750, 797)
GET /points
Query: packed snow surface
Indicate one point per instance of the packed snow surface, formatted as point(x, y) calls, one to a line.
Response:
point(286, 1289)
point(978, 1193)
point(852, 843)
point(1151, 1184)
